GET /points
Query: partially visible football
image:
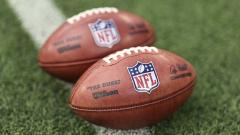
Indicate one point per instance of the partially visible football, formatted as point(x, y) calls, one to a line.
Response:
point(89, 36)
point(133, 88)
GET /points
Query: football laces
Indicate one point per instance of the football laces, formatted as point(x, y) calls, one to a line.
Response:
point(94, 11)
point(123, 53)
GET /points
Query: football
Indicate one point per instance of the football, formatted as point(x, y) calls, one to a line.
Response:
point(133, 88)
point(89, 36)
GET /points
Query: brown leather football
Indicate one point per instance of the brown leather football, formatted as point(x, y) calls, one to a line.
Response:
point(89, 36)
point(133, 88)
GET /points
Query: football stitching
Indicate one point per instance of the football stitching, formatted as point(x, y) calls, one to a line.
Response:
point(112, 64)
point(129, 51)
point(94, 11)
point(76, 62)
point(75, 87)
point(183, 90)
point(68, 64)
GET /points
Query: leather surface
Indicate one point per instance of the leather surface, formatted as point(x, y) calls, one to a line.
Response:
point(74, 43)
point(128, 108)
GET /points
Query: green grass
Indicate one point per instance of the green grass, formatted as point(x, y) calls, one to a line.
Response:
point(205, 32)
point(31, 102)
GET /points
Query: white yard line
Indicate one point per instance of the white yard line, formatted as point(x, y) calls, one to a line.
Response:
point(105, 131)
point(40, 18)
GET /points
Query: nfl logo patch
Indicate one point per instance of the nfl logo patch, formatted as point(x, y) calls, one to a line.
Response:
point(144, 77)
point(104, 32)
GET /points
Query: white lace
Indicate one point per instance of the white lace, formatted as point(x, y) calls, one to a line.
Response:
point(90, 12)
point(129, 51)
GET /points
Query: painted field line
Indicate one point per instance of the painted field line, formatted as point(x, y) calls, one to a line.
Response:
point(105, 131)
point(40, 18)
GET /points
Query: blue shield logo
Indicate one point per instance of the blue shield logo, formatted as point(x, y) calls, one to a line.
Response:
point(105, 33)
point(144, 77)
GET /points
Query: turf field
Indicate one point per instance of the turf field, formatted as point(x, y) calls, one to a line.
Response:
point(205, 32)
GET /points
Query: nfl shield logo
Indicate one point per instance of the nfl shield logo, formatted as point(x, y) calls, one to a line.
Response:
point(144, 77)
point(104, 32)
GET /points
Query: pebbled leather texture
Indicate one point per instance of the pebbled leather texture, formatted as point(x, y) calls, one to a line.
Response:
point(127, 108)
point(71, 49)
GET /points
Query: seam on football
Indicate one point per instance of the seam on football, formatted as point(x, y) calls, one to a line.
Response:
point(183, 90)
